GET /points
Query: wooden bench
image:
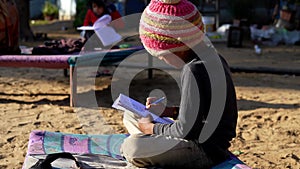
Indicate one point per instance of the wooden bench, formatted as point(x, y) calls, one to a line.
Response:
point(108, 57)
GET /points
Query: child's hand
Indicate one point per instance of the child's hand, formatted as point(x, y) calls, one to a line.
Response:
point(147, 119)
point(158, 109)
point(145, 124)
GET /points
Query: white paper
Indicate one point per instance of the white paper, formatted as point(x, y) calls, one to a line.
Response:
point(105, 33)
point(102, 21)
point(87, 28)
point(108, 35)
point(126, 103)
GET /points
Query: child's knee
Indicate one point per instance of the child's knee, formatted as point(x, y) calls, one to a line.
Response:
point(132, 149)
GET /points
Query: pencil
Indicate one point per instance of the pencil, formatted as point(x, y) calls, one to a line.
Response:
point(159, 100)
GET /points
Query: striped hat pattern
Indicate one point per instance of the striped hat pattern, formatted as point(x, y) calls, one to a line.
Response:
point(170, 26)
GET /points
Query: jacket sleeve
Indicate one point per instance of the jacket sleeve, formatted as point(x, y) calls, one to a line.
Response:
point(188, 111)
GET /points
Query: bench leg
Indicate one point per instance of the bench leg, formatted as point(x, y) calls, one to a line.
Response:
point(73, 86)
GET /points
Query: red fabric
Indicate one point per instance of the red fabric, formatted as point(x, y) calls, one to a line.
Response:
point(90, 19)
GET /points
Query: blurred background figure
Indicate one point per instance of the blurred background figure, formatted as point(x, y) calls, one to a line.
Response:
point(286, 14)
point(97, 8)
point(9, 28)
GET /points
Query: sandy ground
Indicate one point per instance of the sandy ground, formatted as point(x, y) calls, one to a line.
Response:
point(268, 132)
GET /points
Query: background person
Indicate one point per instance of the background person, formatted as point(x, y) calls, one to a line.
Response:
point(97, 9)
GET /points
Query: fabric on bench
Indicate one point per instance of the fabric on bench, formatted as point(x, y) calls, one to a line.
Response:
point(39, 61)
point(64, 61)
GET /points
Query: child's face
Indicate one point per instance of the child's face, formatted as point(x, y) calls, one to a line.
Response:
point(97, 10)
point(173, 60)
point(176, 59)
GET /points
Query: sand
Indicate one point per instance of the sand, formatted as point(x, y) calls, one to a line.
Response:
point(268, 132)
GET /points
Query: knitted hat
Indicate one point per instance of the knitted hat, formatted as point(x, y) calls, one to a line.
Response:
point(170, 26)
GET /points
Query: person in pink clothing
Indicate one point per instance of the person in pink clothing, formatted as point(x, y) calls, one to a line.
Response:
point(97, 8)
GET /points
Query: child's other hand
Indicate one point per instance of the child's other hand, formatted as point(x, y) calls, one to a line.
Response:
point(145, 124)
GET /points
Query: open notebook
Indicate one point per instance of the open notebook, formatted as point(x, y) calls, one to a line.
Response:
point(124, 102)
point(105, 33)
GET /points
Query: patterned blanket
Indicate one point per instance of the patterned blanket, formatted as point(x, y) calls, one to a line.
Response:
point(45, 142)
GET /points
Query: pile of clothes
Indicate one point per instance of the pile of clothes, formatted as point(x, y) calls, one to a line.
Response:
point(272, 36)
point(56, 47)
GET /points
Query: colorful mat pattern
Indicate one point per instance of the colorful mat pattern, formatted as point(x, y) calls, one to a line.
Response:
point(45, 142)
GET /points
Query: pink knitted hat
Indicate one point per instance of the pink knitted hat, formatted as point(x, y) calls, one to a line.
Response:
point(170, 26)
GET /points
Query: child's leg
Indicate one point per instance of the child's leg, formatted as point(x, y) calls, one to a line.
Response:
point(164, 151)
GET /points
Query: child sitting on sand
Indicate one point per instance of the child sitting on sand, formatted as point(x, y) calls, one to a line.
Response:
point(165, 34)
